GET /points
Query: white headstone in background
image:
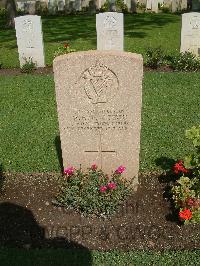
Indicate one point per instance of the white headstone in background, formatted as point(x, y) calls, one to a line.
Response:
point(183, 4)
point(176, 6)
point(154, 6)
point(190, 33)
point(30, 40)
point(110, 31)
point(167, 3)
point(148, 4)
point(61, 5)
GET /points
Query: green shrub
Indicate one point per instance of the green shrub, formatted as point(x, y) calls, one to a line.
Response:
point(186, 191)
point(105, 7)
point(119, 4)
point(155, 57)
point(28, 66)
point(165, 10)
point(92, 192)
point(185, 62)
point(3, 13)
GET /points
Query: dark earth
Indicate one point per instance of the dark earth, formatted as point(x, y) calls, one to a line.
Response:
point(49, 70)
point(146, 221)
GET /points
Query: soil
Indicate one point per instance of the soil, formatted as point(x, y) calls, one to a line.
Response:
point(49, 70)
point(145, 221)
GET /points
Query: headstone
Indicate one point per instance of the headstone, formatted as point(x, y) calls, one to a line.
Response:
point(154, 6)
point(20, 6)
point(99, 97)
point(61, 5)
point(176, 6)
point(190, 33)
point(148, 4)
point(183, 4)
point(77, 5)
point(110, 31)
point(167, 3)
point(52, 6)
point(29, 39)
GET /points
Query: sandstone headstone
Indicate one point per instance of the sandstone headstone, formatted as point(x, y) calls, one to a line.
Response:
point(110, 31)
point(99, 97)
point(29, 39)
point(190, 33)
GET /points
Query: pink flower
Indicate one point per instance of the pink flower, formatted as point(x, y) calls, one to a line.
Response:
point(94, 167)
point(69, 171)
point(120, 169)
point(103, 188)
point(112, 185)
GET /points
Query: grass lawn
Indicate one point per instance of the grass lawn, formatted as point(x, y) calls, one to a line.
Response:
point(140, 30)
point(11, 257)
point(29, 128)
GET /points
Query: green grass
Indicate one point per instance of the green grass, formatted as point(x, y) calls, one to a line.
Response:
point(56, 257)
point(140, 31)
point(29, 126)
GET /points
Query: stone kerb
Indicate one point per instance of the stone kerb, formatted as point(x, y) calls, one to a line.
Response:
point(99, 98)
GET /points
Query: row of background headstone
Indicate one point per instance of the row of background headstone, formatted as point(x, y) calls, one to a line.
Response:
point(52, 6)
point(110, 35)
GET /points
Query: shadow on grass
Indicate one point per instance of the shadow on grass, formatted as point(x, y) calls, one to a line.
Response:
point(19, 229)
point(59, 152)
point(75, 27)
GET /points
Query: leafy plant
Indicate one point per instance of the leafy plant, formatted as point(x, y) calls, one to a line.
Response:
point(155, 57)
point(119, 4)
point(63, 49)
point(92, 192)
point(186, 192)
point(140, 6)
point(3, 13)
point(28, 66)
point(185, 62)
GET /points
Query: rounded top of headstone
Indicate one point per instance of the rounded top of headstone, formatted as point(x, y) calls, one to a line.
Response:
point(95, 53)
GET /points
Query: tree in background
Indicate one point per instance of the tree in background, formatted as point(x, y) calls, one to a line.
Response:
point(11, 9)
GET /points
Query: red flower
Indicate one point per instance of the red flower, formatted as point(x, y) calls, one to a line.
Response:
point(120, 169)
point(112, 185)
point(103, 188)
point(69, 171)
point(186, 214)
point(180, 168)
point(94, 167)
point(66, 45)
